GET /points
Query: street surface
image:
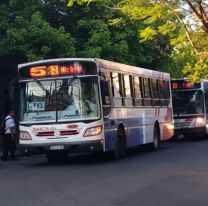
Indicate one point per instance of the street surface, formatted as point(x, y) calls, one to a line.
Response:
point(175, 175)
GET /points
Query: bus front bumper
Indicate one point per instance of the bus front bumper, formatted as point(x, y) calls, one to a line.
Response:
point(89, 146)
point(190, 131)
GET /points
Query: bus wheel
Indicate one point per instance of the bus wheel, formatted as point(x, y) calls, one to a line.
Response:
point(120, 145)
point(156, 139)
point(56, 157)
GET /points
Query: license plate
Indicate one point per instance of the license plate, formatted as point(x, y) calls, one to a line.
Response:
point(57, 147)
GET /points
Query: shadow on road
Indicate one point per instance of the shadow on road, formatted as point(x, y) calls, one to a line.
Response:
point(91, 159)
point(190, 139)
point(101, 158)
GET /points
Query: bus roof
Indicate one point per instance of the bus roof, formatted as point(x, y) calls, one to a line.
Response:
point(132, 69)
point(108, 65)
point(54, 60)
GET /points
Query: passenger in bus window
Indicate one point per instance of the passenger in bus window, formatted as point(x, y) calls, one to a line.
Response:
point(63, 97)
point(72, 107)
point(89, 99)
point(90, 108)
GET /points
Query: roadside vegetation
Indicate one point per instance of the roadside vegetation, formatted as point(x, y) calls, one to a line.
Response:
point(166, 35)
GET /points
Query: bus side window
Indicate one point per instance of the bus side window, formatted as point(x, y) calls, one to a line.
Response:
point(162, 92)
point(128, 91)
point(137, 91)
point(155, 92)
point(167, 92)
point(122, 88)
point(105, 94)
point(132, 90)
point(116, 89)
point(147, 92)
point(150, 89)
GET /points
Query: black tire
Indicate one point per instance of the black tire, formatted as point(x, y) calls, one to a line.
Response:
point(156, 139)
point(120, 146)
point(122, 143)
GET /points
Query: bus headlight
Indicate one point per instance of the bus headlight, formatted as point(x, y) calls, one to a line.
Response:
point(25, 136)
point(199, 121)
point(93, 131)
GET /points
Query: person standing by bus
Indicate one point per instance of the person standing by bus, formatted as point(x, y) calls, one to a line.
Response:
point(9, 140)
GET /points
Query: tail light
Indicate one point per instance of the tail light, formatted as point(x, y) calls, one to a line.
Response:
point(170, 126)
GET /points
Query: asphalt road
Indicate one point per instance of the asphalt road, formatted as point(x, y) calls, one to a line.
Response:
point(175, 175)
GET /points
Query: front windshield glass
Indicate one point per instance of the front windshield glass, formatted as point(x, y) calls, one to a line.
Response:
point(187, 102)
point(65, 99)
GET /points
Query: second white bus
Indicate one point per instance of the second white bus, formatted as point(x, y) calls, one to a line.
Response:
point(190, 107)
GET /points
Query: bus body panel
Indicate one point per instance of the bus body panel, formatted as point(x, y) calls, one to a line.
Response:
point(69, 135)
point(139, 125)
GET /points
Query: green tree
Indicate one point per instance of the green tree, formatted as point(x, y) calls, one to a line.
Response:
point(39, 29)
point(26, 36)
point(184, 22)
point(107, 32)
point(178, 28)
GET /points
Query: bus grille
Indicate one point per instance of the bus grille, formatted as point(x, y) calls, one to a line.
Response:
point(186, 123)
point(59, 133)
point(72, 132)
point(43, 134)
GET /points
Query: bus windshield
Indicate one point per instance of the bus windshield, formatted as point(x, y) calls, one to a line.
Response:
point(188, 102)
point(66, 99)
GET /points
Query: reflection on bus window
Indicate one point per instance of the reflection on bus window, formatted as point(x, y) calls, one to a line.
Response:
point(62, 99)
point(188, 102)
point(34, 96)
point(127, 89)
point(116, 89)
point(137, 91)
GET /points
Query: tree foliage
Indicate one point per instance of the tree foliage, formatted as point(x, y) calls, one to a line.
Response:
point(26, 36)
point(167, 35)
point(177, 27)
point(40, 29)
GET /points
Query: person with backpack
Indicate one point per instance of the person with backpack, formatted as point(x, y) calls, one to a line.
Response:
point(9, 140)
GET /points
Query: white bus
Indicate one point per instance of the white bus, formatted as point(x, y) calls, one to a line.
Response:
point(82, 104)
point(190, 107)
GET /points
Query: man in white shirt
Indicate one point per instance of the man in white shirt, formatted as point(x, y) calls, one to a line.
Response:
point(9, 141)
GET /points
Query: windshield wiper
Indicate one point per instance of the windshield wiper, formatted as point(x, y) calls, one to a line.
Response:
point(41, 85)
point(72, 80)
point(69, 83)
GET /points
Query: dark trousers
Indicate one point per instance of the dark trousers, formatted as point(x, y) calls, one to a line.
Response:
point(9, 145)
